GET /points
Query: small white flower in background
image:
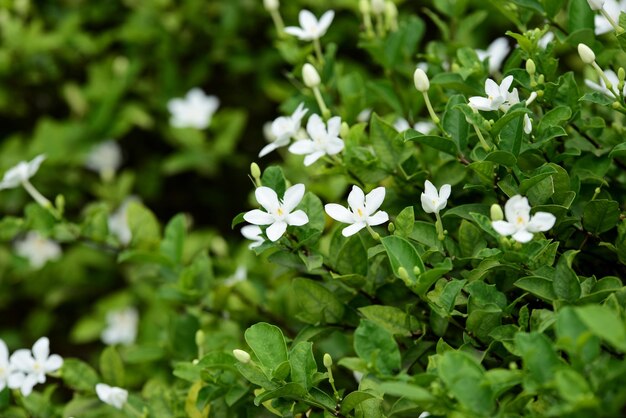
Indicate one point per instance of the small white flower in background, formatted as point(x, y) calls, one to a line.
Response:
point(496, 52)
point(401, 125)
point(271, 5)
point(596, 4)
point(424, 127)
point(545, 40)
point(31, 367)
point(21, 173)
point(364, 115)
point(283, 129)
point(195, 110)
point(498, 96)
point(432, 200)
point(610, 74)
point(519, 223)
point(37, 249)
point(310, 28)
point(279, 213)
point(424, 414)
point(240, 275)
point(363, 210)
point(612, 8)
point(121, 327)
point(105, 159)
point(253, 233)
point(118, 222)
point(323, 140)
point(112, 395)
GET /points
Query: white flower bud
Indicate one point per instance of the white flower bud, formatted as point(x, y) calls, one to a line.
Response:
point(496, 212)
point(421, 80)
point(378, 6)
point(328, 360)
point(310, 76)
point(364, 7)
point(242, 356)
point(271, 5)
point(596, 4)
point(586, 54)
point(530, 67)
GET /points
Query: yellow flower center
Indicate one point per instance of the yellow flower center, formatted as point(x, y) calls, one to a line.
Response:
point(360, 212)
point(280, 212)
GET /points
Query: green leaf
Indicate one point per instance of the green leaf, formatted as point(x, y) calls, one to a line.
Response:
point(504, 158)
point(376, 345)
point(353, 399)
point(274, 178)
point(402, 254)
point(600, 215)
point(289, 391)
point(464, 377)
point(573, 387)
point(580, 16)
point(174, 238)
point(404, 222)
point(406, 390)
point(317, 304)
point(78, 375)
point(566, 283)
point(391, 318)
point(538, 356)
point(112, 367)
point(605, 323)
point(303, 366)
point(454, 122)
point(144, 226)
point(387, 144)
point(268, 343)
point(437, 142)
point(310, 232)
point(538, 286)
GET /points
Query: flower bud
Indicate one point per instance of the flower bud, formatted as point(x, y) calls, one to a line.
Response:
point(364, 7)
point(496, 212)
point(416, 270)
point(378, 6)
point(310, 76)
point(200, 338)
point(344, 131)
point(421, 80)
point(328, 361)
point(586, 54)
point(530, 67)
point(621, 74)
point(242, 356)
point(404, 275)
point(271, 5)
point(255, 171)
point(596, 4)
point(531, 98)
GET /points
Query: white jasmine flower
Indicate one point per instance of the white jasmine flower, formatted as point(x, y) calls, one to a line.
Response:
point(519, 223)
point(364, 115)
point(240, 275)
point(310, 76)
point(310, 28)
point(610, 74)
point(112, 395)
point(253, 233)
point(432, 200)
point(401, 125)
point(363, 210)
point(424, 127)
point(279, 212)
point(21, 173)
point(283, 129)
point(322, 141)
point(37, 249)
point(121, 327)
point(118, 222)
point(195, 110)
point(498, 96)
point(105, 159)
point(31, 367)
point(612, 8)
point(545, 40)
point(496, 52)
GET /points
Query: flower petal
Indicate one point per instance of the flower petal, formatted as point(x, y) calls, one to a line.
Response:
point(517, 205)
point(315, 126)
point(276, 230)
point(298, 218)
point(41, 349)
point(522, 236)
point(374, 199)
point(33, 166)
point(378, 218)
point(503, 228)
point(302, 146)
point(27, 384)
point(505, 85)
point(258, 217)
point(267, 149)
point(292, 197)
point(307, 19)
point(352, 229)
point(104, 392)
point(4, 354)
point(251, 232)
point(266, 198)
point(334, 125)
point(311, 158)
point(491, 88)
point(444, 192)
point(297, 32)
point(334, 146)
point(325, 21)
point(22, 360)
point(541, 222)
point(339, 213)
point(481, 103)
point(54, 363)
point(427, 203)
point(356, 198)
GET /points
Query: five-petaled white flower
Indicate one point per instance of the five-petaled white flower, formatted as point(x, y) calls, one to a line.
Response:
point(432, 200)
point(31, 368)
point(612, 77)
point(279, 213)
point(112, 395)
point(322, 140)
point(498, 96)
point(519, 223)
point(37, 249)
point(283, 129)
point(496, 52)
point(253, 233)
point(363, 210)
point(613, 8)
point(311, 28)
point(121, 327)
point(105, 159)
point(194, 111)
point(21, 173)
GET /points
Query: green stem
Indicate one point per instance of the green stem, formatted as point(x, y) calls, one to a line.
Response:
point(278, 22)
point(481, 138)
point(318, 51)
point(320, 102)
point(40, 199)
point(608, 17)
point(373, 233)
point(439, 225)
point(604, 78)
point(431, 111)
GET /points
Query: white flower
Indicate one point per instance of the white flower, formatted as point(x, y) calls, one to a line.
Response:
point(279, 212)
point(421, 81)
point(322, 140)
point(424, 127)
point(105, 159)
point(364, 115)
point(519, 223)
point(310, 76)
point(253, 233)
point(37, 249)
point(112, 395)
point(498, 96)
point(363, 210)
point(121, 327)
point(31, 367)
point(194, 111)
point(271, 5)
point(612, 8)
point(21, 173)
point(596, 4)
point(586, 54)
point(240, 275)
point(610, 74)
point(283, 129)
point(496, 52)
point(545, 40)
point(5, 365)
point(401, 125)
point(118, 222)
point(432, 200)
point(310, 28)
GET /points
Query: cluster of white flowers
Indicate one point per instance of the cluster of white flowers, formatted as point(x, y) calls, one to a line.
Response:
point(25, 368)
point(121, 327)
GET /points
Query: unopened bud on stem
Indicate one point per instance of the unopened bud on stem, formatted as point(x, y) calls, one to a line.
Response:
point(328, 361)
point(586, 54)
point(242, 356)
point(271, 5)
point(421, 80)
point(496, 212)
point(310, 76)
point(530, 67)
